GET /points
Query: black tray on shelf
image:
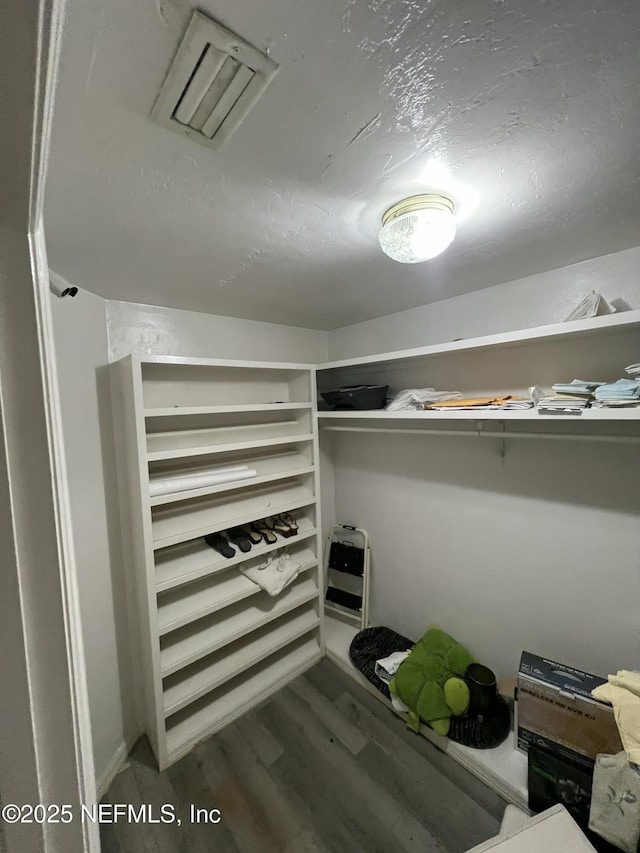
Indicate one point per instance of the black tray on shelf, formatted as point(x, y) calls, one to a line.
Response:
point(357, 397)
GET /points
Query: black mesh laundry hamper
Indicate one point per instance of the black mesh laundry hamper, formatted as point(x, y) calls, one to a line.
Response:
point(370, 645)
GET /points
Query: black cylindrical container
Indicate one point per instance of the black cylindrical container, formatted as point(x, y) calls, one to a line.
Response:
point(482, 687)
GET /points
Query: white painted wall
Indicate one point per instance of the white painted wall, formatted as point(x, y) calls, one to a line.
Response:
point(534, 301)
point(149, 330)
point(539, 552)
point(82, 352)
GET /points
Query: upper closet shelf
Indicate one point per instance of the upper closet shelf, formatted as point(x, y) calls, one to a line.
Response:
point(601, 326)
point(392, 420)
point(187, 361)
point(183, 452)
point(173, 411)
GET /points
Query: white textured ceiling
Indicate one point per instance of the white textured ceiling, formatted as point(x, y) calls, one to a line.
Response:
point(533, 106)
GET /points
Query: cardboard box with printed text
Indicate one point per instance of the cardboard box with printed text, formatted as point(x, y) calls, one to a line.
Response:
point(555, 705)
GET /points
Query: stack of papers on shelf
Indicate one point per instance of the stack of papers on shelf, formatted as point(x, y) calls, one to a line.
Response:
point(516, 404)
point(480, 403)
point(577, 387)
point(614, 404)
point(415, 399)
point(624, 390)
point(562, 405)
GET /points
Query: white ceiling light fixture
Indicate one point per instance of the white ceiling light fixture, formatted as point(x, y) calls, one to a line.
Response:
point(418, 228)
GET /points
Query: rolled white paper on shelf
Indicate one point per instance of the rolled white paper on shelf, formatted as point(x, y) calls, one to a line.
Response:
point(184, 482)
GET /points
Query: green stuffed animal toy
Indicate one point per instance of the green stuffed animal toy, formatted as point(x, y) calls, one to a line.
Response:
point(430, 681)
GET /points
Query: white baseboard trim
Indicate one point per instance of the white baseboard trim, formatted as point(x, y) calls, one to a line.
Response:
point(116, 763)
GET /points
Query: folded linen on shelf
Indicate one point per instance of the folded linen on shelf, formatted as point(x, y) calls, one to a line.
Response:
point(623, 389)
point(274, 573)
point(415, 399)
point(216, 476)
point(577, 387)
point(633, 369)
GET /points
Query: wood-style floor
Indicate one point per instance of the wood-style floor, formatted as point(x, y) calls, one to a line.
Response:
point(321, 767)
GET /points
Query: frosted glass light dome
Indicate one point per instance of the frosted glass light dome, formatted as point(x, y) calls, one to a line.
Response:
point(418, 228)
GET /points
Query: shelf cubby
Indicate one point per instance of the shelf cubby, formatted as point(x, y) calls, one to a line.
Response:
point(196, 517)
point(183, 382)
point(193, 601)
point(188, 644)
point(188, 685)
point(182, 437)
point(270, 464)
point(190, 561)
point(214, 710)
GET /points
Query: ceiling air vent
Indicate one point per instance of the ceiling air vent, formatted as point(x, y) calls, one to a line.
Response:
point(214, 80)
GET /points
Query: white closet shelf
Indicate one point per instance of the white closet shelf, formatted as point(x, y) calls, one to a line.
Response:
point(217, 596)
point(260, 366)
point(197, 560)
point(393, 420)
point(179, 411)
point(218, 669)
point(174, 497)
point(502, 769)
point(600, 326)
point(172, 531)
point(183, 453)
point(238, 696)
point(231, 626)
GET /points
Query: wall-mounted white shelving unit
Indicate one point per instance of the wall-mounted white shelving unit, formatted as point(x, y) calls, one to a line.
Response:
point(508, 363)
point(211, 642)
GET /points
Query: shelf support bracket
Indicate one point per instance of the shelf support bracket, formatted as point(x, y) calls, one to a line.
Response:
point(503, 444)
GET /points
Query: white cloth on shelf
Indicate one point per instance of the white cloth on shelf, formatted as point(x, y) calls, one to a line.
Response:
point(623, 692)
point(274, 573)
point(414, 399)
point(386, 668)
point(197, 480)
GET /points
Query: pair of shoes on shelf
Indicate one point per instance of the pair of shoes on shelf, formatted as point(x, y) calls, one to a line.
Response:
point(284, 524)
point(242, 537)
point(252, 534)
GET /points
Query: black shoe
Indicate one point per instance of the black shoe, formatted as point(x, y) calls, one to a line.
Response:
point(219, 544)
point(239, 538)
